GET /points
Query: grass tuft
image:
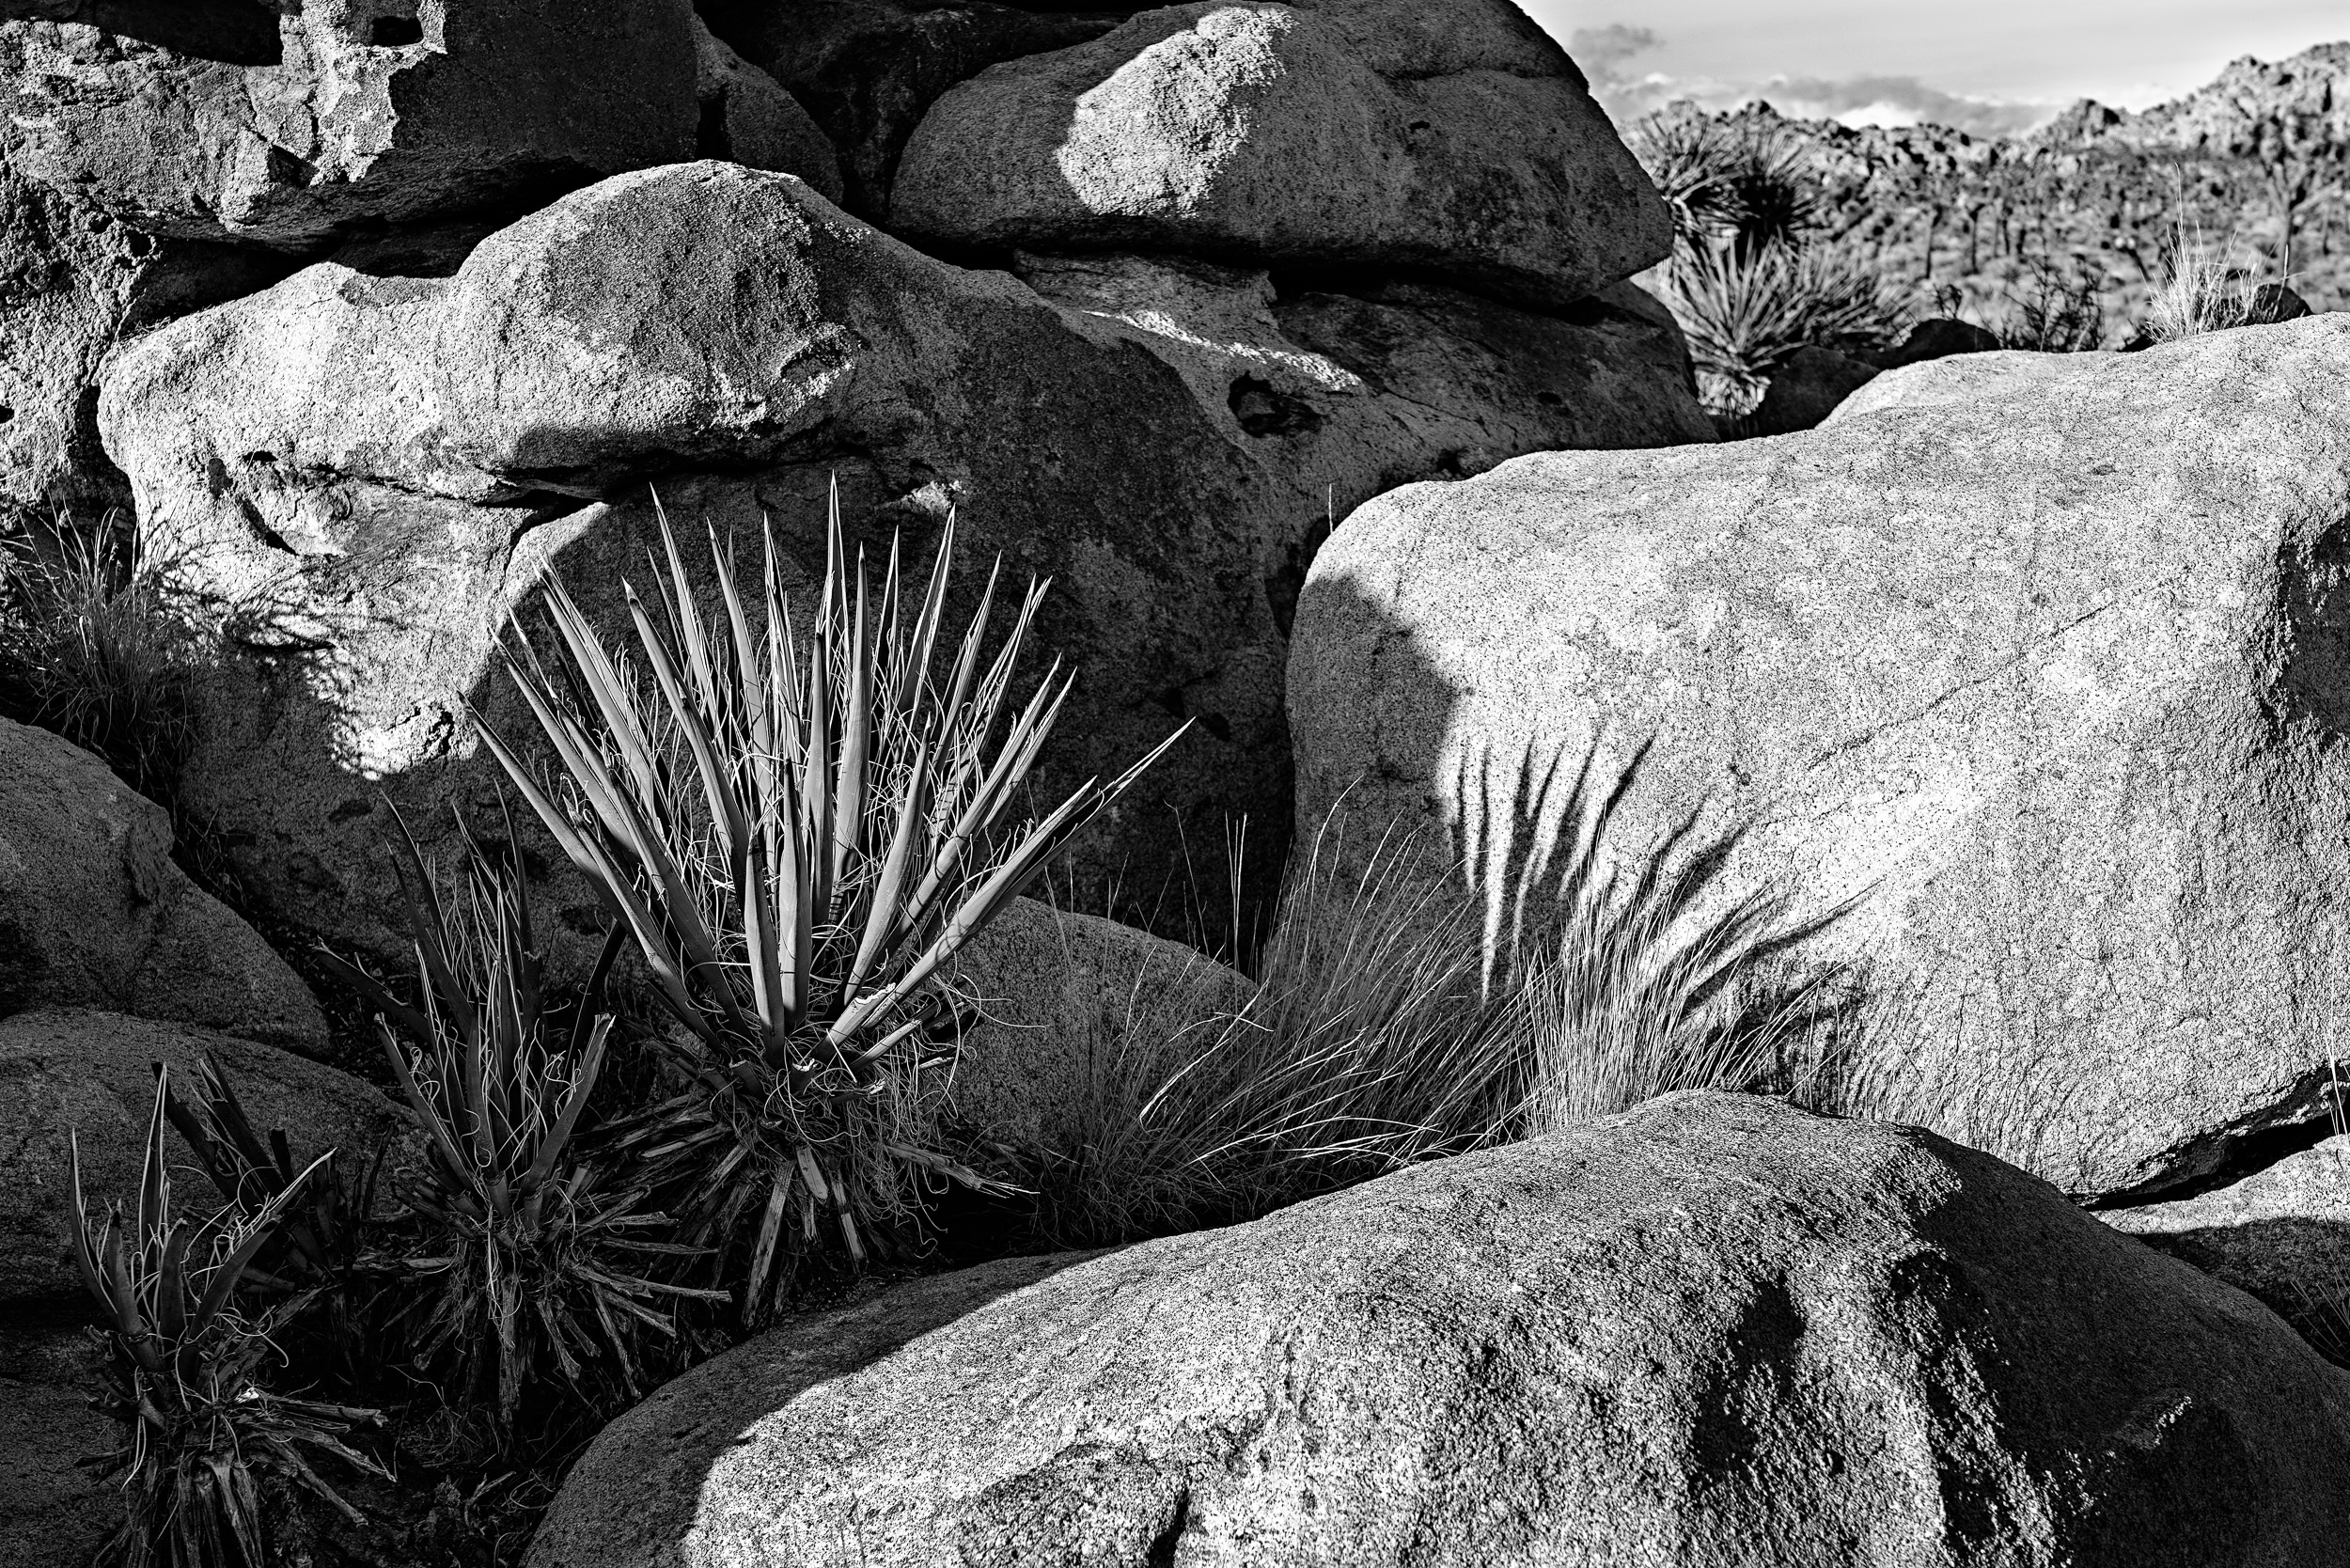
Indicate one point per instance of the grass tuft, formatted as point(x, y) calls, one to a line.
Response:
point(1395, 1020)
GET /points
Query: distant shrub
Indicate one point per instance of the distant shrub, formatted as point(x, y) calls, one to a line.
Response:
point(2057, 311)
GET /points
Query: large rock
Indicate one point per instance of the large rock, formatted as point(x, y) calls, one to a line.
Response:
point(68, 1068)
point(1805, 391)
point(94, 914)
point(748, 118)
point(74, 282)
point(2282, 1232)
point(52, 1510)
point(221, 119)
point(364, 475)
point(869, 70)
point(1455, 140)
point(1068, 1002)
point(2038, 656)
point(1712, 1330)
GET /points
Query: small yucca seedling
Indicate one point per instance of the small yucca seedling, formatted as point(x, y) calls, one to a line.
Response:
point(533, 1258)
point(203, 1433)
point(317, 1247)
point(799, 851)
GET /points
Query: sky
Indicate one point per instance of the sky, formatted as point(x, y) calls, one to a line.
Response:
point(1983, 66)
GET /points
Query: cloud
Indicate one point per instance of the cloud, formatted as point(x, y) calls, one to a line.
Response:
point(1606, 54)
point(1600, 50)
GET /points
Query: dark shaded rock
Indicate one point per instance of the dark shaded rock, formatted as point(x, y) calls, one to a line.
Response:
point(1939, 339)
point(748, 118)
point(1455, 141)
point(52, 1510)
point(1805, 391)
point(869, 70)
point(1712, 1330)
point(2282, 1232)
point(94, 914)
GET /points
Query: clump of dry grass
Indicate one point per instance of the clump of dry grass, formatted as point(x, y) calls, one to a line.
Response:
point(91, 650)
point(1395, 1019)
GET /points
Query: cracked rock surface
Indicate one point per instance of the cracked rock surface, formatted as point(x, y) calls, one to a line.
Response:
point(2040, 658)
point(287, 125)
point(1712, 1330)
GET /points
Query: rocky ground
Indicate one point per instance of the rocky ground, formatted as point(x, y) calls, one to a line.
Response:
point(1298, 343)
point(2251, 168)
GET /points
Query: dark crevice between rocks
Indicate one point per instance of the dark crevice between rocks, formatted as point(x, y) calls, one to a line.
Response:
point(233, 32)
point(2247, 1154)
point(1162, 1552)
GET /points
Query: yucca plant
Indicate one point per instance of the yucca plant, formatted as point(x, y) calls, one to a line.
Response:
point(534, 1259)
point(799, 850)
point(319, 1243)
point(205, 1437)
point(1747, 314)
point(1741, 181)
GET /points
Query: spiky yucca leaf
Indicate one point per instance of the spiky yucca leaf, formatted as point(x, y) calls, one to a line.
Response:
point(1737, 180)
point(184, 1362)
point(534, 1261)
point(1746, 315)
point(798, 850)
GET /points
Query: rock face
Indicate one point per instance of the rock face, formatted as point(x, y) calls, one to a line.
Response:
point(364, 475)
point(2282, 1232)
point(2038, 655)
point(72, 282)
point(94, 914)
point(69, 1068)
point(1058, 990)
point(218, 120)
point(1712, 1330)
point(1458, 141)
point(869, 70)
point(747, 117)
point(52, 1510)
